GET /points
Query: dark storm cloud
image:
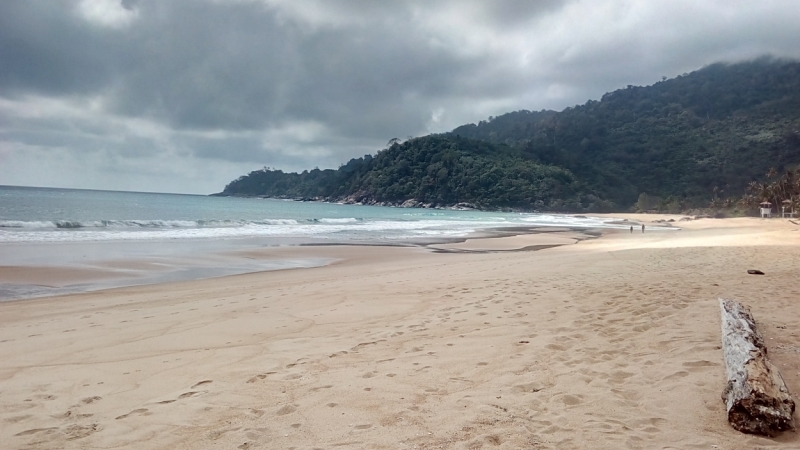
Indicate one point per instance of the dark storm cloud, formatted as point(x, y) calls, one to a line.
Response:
point(233, 65)
point(44, 50)
point(208, 90)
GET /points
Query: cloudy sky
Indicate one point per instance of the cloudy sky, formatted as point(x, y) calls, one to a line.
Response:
point(186, 95)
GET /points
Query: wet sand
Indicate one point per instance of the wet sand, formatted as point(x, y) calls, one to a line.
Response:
point(604, 343)
point(31, 270)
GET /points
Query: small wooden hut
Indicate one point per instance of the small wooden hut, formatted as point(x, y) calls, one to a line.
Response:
point(766, 209)
point(787, 209)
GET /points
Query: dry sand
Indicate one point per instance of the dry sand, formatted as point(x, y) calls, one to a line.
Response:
point(608, 343)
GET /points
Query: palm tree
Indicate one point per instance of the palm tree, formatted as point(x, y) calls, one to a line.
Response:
point(776, 192)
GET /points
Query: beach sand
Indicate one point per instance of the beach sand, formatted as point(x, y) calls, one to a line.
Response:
point(605, 343)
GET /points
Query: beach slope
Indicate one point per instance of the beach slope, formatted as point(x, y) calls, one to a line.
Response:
point(601, 343)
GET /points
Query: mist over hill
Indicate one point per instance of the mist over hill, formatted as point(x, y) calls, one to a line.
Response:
point(681, 140)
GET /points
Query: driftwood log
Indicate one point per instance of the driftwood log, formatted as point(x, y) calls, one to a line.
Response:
point(756, 396)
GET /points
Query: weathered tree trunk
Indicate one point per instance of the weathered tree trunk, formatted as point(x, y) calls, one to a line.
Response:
point(756, 396)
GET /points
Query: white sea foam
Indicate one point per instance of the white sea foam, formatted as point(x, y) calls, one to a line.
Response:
point(276, 222)
point(25, 224)
point(138, 224)
point(343, 220)
point(326, 228)
point(148, 223)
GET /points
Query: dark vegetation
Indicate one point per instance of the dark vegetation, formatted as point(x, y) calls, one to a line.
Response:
point(781, 192)
point(432, 170)
point(675, 145)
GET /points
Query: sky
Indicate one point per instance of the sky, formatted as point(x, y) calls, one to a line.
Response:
point(186, 95)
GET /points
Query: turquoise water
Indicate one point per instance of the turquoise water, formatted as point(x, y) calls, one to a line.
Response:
point(68, 215)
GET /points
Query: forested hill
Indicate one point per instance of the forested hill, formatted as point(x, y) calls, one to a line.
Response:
point(719, 127)
point(683, 140)
point(432, 170)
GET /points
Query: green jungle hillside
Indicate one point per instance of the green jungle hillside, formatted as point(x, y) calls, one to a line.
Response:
point(682, 142)
point(432, 170)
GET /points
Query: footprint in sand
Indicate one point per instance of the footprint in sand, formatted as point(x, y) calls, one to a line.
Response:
point(200, 383)
point(286, 409)
point(699, 365)
point(260, 376)
point(81, 431)
point(528, 388)
point(572, 400)
point(141, 411)
point(217, 434)
point(557, 347)
point(679, 374)
point(619, 376)
point(16, 419)
point(36, 430)
point(327, 386)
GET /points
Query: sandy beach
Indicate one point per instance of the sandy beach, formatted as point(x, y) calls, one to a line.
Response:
point(587, 342)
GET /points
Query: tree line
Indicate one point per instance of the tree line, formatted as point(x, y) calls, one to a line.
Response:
point(433, 170)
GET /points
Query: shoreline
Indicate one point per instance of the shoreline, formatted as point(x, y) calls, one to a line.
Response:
point(608, 343)
point(73, 276)
point(65, 278)
point(20, 282)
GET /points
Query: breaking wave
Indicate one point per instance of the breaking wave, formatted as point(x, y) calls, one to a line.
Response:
point(345, 220)
point(152, 224)
point(326, 228)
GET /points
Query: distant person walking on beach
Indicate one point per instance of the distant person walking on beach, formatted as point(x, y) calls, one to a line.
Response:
point(631, 228)
point(642, 228)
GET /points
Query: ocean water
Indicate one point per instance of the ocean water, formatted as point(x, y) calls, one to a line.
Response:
point(131, 238)
point(37, 215)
